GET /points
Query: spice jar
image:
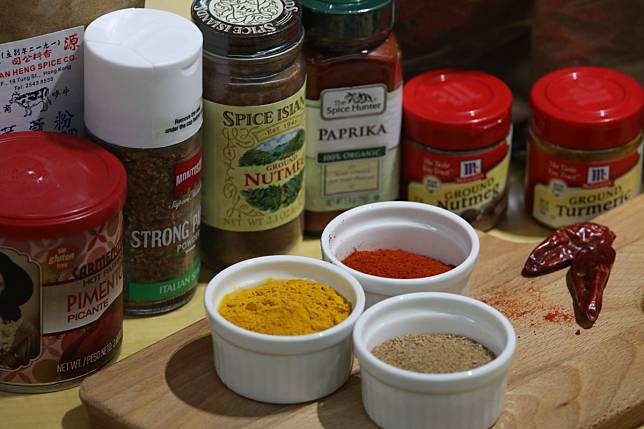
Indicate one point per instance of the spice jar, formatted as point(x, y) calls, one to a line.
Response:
point(456, 151)
point(61, 255)
point(354, 106)
point(143, 103)
point(254, 78)
point(585, 144)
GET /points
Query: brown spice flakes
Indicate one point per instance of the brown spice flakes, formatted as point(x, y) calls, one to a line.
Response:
point(433, 353)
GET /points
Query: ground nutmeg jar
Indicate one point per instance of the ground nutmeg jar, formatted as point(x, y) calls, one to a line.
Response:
point(61, 255)
point(253, 140)
point(354, 106)
point(585, 144)
point(143, 103)
point(456, 150)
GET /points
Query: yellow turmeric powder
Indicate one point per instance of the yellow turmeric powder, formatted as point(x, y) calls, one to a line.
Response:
point(286, 307)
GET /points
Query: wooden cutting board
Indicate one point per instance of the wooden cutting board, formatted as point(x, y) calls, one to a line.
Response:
point(563, 375)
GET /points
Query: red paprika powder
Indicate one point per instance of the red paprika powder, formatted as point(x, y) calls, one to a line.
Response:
point(395, 264)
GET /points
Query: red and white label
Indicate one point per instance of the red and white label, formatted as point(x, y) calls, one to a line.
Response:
point(187, 174)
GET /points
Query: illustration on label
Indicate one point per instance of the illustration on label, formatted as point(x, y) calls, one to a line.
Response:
point(256, 155)
point(352, 147)
point(245, 17)
point(41, 83)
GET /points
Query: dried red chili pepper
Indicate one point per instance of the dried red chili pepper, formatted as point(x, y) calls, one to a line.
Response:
point(561, 247)
point(589, 274)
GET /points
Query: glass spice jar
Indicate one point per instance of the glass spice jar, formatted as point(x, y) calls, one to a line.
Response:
point(254, 79)
point(143, 103)
point(585, 144)
point(354, 106)
point(456, 150)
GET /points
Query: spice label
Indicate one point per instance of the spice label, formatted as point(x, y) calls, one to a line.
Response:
point(254, 157)
point(61, 306)
point(41, 83)
point(567, 192)
point(352, 154)
point(457, 182)
point(245, 17)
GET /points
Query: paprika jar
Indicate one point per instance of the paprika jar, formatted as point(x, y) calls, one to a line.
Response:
point(585, 144)
point(456, 150)
point(253, 139)
point(354, 106)
point(61, 255)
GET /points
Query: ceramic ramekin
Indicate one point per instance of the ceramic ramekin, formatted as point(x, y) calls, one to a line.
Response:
point(274, 368)
point(414, 227)
point(396, 398)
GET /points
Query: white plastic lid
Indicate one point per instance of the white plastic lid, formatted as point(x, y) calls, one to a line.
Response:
point(143, 76)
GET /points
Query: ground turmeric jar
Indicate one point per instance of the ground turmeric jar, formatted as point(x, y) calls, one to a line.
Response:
point(354, 106)
point(456, 150)
point(585, 144)
point(253, 137)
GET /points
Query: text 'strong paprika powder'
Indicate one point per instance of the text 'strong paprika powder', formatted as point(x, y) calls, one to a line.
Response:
point(585, 144)
point(354, 107)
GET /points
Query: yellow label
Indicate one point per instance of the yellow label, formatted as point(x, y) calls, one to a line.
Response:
point(253, 164)
point(556, 204)
point(459, 197)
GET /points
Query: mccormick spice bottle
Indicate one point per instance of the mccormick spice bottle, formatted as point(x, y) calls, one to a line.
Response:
point(458, 133)
point(61, 256)
point(254, 78)
point(143, 103)
point(354, 106)
point(585, 144)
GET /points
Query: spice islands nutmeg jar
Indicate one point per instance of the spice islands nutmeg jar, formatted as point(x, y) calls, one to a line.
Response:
point(254, 78)
point(354, 106)
point(61, 255)
point(143, 103)
point(456, 151)
point(585, 144)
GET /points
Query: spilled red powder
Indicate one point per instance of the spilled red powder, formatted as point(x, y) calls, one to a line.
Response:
point(395, 264)
point(558, 316)
point(577, 332)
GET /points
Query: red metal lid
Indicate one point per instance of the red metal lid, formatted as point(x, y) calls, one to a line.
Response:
point(53, 185)
point(457, 109)
point(588, 108)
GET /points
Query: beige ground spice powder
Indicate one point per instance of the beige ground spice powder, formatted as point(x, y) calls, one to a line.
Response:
point(433, 353)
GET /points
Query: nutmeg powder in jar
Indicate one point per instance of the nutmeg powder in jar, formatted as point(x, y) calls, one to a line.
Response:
point(143, 103)
point(253, 140)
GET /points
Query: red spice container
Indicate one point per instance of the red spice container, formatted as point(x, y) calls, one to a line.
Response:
point(354, 106)
point(585, 144)
point(456, 150)
point(61, 255)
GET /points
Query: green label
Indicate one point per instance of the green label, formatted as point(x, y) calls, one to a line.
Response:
point(350, 155)
point(164, 290)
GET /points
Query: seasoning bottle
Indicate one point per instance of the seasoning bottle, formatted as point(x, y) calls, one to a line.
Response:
point(354, 106)
point(254, 77)
point(456, 150)
point(585, 144)
point(61, 260)
point(143, 103)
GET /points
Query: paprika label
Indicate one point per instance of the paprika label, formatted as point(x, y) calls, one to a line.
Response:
point(352, 154)
point(62, 306)
point(455, 181)
point(562, 192)
point(254, 157)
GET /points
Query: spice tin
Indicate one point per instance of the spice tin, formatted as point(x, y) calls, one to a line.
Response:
point(143, 89)
point(254, 119)
point(61, 278)
point(456, 150)
point(353, 105)
point(585, 144)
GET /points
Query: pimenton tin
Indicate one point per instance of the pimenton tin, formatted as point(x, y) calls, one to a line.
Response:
point(61, 275)
point(456, 150)
point(585, 144)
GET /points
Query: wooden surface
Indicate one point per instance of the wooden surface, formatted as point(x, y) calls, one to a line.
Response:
point(559, 379)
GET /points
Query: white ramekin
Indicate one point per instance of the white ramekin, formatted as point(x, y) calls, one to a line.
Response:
point(396, 398)
point(274, 368)
point(414, 227)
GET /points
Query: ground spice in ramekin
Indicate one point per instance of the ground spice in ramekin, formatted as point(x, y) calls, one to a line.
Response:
point(433, 353)
point(395, 264)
